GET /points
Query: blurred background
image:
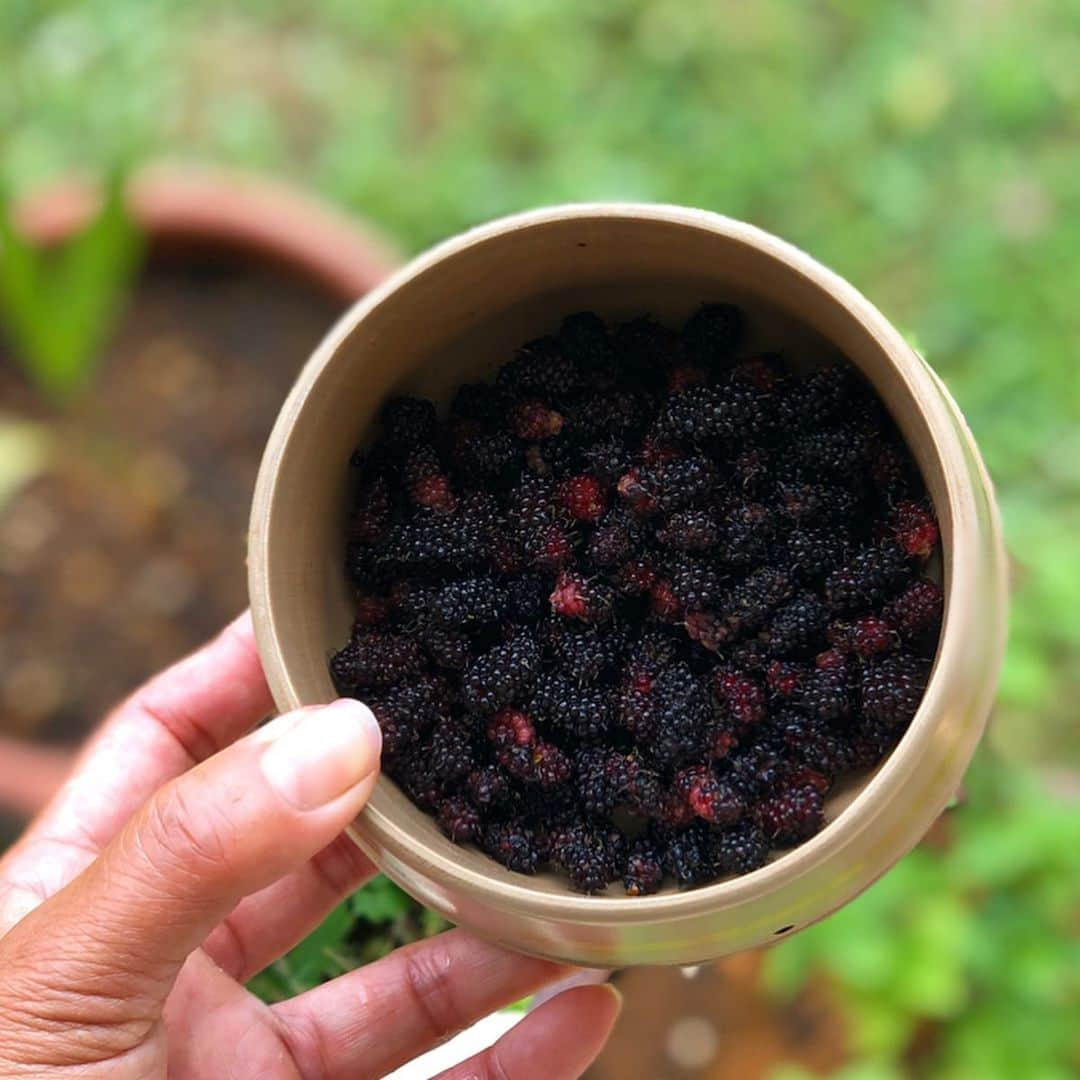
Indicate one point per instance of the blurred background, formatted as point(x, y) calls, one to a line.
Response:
point(927, 151)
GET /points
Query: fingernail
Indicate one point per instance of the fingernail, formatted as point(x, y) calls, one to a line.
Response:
point(574, 977)
point(324, 754)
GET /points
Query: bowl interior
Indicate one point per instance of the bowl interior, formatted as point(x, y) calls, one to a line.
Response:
point(455, 316)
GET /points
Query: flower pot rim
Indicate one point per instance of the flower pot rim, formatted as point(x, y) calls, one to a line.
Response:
point(231, 209)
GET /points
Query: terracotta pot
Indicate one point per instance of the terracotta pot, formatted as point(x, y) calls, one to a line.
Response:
point(185, 212)
point(455, 313)
point(183, 209)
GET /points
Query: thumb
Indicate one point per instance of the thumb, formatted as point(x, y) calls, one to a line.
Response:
point(227, 828)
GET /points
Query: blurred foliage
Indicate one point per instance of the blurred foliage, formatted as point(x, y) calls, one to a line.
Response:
point(929, 151)
point(57, 306)
point(366, 927)
point(981, 940)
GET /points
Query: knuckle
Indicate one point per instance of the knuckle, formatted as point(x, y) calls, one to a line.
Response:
point(428, 977)
point(488, 1065)
point(186, 834)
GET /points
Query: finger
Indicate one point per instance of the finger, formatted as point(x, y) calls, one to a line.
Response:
point(231, 826)
point(270, 923)
point(560, 1040)
point(184, 715)
point(370, 1021)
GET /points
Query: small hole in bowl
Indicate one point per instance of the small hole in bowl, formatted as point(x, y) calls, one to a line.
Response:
point(783, 929)
point(581, 243)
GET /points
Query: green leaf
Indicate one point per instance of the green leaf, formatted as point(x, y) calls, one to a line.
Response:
point(314, 958)
point(380, 901)
point(59, 306)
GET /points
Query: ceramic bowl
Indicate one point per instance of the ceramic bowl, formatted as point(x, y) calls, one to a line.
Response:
point(457, 312)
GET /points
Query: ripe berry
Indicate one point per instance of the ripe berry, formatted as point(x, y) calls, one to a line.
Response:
point(798, 627)
point(451, 750)
point(512, 844)
point(542, 763)
point(742, 698)
point(582, 496)
point(916, 530)
point(740, 848)
point(690, 530)
point(541, 368)
point(872, 575)
point(375, 659)
point(713, 332)
point(488, 787)
point(583, 711)
point(870, 636)
point(496, 677)
point(469, 601)
point(792, 814)
point(407, 422)
point(644, 871)
point(458, 818)
point(615, 539)
point(893, 688)
point(510, 727)
point(708, 797)
point(917, 609)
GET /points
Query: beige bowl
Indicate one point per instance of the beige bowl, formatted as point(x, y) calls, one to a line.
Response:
point(454, 314)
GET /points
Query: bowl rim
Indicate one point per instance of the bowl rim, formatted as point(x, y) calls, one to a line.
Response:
point(952, 446)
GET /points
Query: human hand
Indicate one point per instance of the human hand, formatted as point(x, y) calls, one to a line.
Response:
point(187, 852)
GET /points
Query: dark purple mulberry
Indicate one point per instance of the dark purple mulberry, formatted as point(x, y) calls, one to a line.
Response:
point(872, 576)
point(407, 422)
point(798, 627)
point(696, 583)
point(469, 601)
point(740, 849)
point(375, 659)
point(893, 688)
point(813, 553)
point(705, 413)
point(582, 711)
point(504, 672)
point(917, 610)
point(451, 750)
point(690, 530)
point(644, 873)
point(541, 368)
point(512, 844)
point(616, 538)
point(458, 818)
point(713, 332)
point(675, 483)
point(488, 787)
point(792, 814)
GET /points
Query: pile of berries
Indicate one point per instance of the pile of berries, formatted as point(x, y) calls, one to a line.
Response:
point(633, 610)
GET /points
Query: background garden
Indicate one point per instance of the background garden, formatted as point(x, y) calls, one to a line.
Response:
point(927, 151)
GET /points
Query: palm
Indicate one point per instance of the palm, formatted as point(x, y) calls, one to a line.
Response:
point(363, 1024)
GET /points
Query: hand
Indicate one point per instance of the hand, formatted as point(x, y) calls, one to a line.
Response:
point(187, 852)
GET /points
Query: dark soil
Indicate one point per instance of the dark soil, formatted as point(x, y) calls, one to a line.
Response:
point(129, 550)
